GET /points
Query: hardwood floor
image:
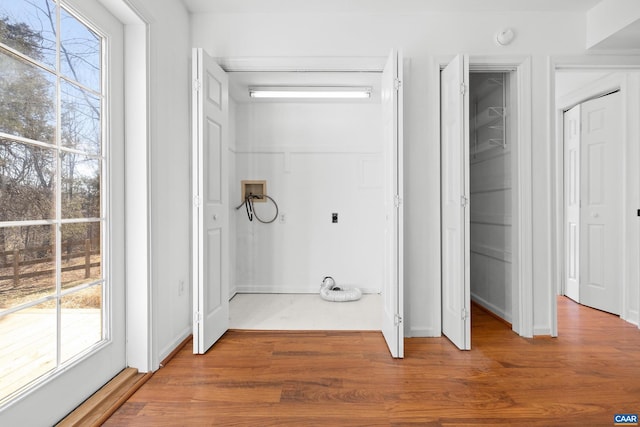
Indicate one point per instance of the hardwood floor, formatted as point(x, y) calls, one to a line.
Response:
point(584, 377)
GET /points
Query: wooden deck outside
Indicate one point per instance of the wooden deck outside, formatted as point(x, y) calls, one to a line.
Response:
point(28, 340)
point(582, 378)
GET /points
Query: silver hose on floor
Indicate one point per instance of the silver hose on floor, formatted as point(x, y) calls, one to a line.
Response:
point(330, 291)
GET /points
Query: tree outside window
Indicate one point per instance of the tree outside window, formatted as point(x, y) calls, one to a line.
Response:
point(52, 216)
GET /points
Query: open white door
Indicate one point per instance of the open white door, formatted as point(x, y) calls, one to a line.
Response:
point(572, 201)
point(454, 141)
point(393, 292)
point(601, 197)
point(210, 110)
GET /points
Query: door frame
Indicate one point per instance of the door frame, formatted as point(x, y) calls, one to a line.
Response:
point(522, 228)
point(343, 64)
point(610, 83)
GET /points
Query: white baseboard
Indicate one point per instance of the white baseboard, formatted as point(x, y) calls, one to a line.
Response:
point(541, 331)
point(422, 332)
point(165, 352)
point(269, 289)
point(633, 317)
point(491, 307)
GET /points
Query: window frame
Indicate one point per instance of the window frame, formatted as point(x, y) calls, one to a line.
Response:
point(106, 209)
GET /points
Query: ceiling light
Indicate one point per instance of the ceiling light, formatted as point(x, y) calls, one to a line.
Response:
point(310, 92)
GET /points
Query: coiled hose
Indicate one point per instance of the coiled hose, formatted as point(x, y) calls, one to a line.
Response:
point(248, 204)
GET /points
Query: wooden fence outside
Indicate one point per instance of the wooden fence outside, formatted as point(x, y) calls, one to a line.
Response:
point(67, 254)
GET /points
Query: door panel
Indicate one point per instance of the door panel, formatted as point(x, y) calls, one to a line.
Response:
point(454, 140)
point(572, 200)
point(213, 171)
point(392, 295)
point(210, 219)
point(601, 212)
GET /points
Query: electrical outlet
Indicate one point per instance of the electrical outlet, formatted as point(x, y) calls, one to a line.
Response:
point(283, 218)
point(334, 218)
point(180, 287)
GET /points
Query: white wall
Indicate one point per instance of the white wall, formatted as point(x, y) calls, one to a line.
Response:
point(631, 311)
point(570, 81)
point(169, 162)
point(423, 38)
point(317, 159)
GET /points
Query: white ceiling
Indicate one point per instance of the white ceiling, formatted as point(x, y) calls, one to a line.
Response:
point(627, 38)
point(384, 6)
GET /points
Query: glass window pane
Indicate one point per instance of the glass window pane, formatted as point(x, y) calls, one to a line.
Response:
point(28, 26)
point(27, 264)
point(27, 187)
point(80, 176)
point(80, 119)
point(81, 254)
point(27, 100)
point(81, 321)
point(79, 52)
point(28, 347)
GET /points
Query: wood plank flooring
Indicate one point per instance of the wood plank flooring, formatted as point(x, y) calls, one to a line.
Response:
point(253, 378)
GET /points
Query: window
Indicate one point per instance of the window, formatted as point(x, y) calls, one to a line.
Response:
point(53, 290)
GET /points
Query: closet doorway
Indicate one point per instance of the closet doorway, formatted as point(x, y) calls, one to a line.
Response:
point(593, 177)
point(491, 140)
point(485, 194)
point(606, 96)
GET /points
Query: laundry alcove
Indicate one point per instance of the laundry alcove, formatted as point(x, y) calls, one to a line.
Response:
point(331, 170)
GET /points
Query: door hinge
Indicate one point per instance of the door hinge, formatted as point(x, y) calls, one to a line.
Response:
point(196, 85)
point(465, 314)
point(464, 201)
point(196, 201)
point(197, 317)
point(397, 201)
point(397, 319)
point(463, 88)
point(397, 84)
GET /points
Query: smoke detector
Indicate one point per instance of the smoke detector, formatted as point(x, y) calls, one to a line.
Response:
point(505, 37)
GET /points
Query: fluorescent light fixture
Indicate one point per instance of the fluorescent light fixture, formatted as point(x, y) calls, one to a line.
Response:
point(310, 92)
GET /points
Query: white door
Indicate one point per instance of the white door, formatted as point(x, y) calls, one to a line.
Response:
point(572, 201)
point(393, 306)
point(454, 141)
point(210, 111)
point(601, 196)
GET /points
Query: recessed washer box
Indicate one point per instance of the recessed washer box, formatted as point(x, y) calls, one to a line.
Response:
point(255, 187)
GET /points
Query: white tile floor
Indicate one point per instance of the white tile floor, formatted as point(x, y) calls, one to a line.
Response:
point(304, 312)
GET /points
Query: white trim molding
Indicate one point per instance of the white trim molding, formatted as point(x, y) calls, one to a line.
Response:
point(522, 256)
